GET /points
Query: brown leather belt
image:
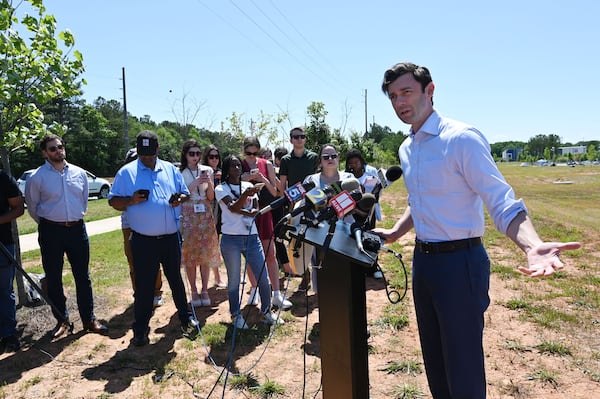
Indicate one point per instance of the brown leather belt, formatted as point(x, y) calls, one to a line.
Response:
point(446, 246)
point(64, 224)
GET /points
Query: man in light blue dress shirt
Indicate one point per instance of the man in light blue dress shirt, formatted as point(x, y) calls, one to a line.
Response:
point(57, 196)
point(450, 174)
point(151, 190)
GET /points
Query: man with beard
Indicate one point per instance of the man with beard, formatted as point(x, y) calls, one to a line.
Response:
point(57, 196)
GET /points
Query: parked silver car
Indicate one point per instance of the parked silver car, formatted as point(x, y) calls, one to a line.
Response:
point(98, 186)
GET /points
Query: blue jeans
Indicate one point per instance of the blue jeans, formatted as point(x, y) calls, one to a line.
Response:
point(232, 249)
point(149, 252)
point(54, 242)
point(450, 292)
point(8, 317)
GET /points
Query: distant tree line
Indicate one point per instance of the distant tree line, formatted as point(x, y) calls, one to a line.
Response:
point(95, 138)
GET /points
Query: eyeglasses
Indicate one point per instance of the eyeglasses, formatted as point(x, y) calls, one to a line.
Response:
point(249, 154)
point(55, 148)
point(328, 157)
point(299, 136)
point(194, 153)
point(213, 156)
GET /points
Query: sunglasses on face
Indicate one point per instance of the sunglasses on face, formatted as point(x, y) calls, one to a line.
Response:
point(213, 156)
point(55, 148)
point(250, 154)
point(299, 136)
point(194, 153)
point(328, 157)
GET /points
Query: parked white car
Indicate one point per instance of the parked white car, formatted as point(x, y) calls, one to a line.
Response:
point(98, 186)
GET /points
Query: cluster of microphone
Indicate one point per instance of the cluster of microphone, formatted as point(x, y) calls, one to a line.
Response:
point(334, 202)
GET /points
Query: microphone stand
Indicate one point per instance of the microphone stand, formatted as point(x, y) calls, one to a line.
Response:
point(332, 223)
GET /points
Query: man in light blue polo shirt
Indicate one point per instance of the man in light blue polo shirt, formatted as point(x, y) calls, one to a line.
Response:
point(151, 191)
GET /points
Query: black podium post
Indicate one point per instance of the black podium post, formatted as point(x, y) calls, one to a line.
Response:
point(342, 312)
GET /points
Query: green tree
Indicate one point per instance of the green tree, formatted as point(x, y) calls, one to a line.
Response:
point(536, 145)
point(33, 71)
point(592, 154)
point(92, 136)
point(317, 131)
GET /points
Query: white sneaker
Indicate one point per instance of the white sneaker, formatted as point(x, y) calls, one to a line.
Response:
point(281, 302)
point(158, 301)
point(378, 275)
point(240, 323)
point(272, 318)
point(253, 298)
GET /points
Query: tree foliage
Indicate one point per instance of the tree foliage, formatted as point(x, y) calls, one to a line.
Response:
point(34, 71)
point(537, 144)
point(317, 131)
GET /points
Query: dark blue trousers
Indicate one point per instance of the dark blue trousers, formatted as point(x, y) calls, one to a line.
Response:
point(8, 319)
point(148, 254)
point(450, 292)
point(56, 241)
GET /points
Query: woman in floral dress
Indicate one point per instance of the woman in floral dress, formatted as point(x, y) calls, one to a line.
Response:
point(200, 243)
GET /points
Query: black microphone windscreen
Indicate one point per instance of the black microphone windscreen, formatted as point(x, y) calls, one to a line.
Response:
point(309, 185)
point(350, 184)
point(366, 202)
point(393, 173)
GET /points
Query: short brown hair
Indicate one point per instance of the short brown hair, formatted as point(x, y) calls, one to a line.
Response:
point(48, 138)
point(297, 129)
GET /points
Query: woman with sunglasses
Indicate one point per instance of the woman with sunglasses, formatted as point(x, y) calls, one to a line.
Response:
point(200, 242)
point(212, 157)
point(328, 173)
point(328, 168)
point(258, 170)
point(239, 204)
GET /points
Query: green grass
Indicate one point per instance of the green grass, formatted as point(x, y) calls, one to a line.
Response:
point(553, 348)
point(407, 391)
point(97, 209)
point(243, 381)
point(268, 389)
point(545, 377)
point(412, 367)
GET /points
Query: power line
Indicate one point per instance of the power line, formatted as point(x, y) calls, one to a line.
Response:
point(295, 43)
point(299, 32)
point(282, 47)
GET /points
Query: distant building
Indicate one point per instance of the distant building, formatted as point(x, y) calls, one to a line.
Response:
point(511, 154)
point(575, 150)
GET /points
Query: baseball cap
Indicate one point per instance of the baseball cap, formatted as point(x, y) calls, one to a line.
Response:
point(147, 143)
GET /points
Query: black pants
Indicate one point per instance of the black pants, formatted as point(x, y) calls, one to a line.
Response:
point(149, 252)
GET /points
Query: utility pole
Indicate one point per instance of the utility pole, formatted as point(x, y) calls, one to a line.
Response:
point(366, 130)
point(126, 128)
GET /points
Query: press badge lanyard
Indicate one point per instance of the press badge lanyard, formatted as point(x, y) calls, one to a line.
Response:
point(198, 208)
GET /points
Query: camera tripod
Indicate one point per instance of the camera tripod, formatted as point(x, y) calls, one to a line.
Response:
point(19, 268)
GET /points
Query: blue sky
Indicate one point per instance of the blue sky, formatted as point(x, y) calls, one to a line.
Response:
point(513, 69)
